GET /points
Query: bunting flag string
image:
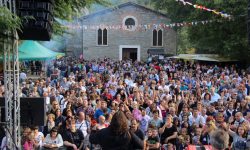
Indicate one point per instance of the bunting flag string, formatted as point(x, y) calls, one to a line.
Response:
point(141, 27)
point(222, 14)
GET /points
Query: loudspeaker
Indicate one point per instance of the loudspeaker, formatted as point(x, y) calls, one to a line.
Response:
point(32, 111)
point(39, 19)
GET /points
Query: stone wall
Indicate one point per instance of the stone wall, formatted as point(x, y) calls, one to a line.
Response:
point(85, 41)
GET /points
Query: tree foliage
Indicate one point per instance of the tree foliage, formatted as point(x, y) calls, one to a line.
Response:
point(69, 9)
point(8, 20)
point(222, 36)
point(63, 9)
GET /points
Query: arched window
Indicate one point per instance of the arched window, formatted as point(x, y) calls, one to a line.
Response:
point(102, 37)
point(154, 37)
point(160, 38)
point(157, 37)
point(99, 37)
point(105, 37)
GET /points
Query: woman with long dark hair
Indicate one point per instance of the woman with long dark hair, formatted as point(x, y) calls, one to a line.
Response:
point(117, 136)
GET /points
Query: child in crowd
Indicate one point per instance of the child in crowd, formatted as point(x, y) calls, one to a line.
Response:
point(153, 141)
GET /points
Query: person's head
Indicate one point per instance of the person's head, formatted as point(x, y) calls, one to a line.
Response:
point(169, 119)
point(103, 105)
point(81, 115)
point(156, 113)
point(243, 103)
point(219, 139)
point(121, 107)
point(72, 125)
point(143, 111)
point(185, 109)
point(204, 111)
point(211, 108)
point(51, 117)
point(54, 132)
point(195, 111)
point(55, 104)
point(185, 117)
point(69, 113)
point(212, 90)
point(102, 119)
point(238, 116)
point(176, 122)
point(134, 124)
point(172, 111)
point(68, 105)
point(219, 117)
point(35, 129)
point(207, 96)
point(154, 132)
point(183, 131)
point(119, 123)
point(198, 131)
point(31, 136)
point(247, 98)
point(170, 146)
point(26, 131)
point(85, 102)
point(150, 132)
point(58, 112)
point(241, 131)
point(231, 105)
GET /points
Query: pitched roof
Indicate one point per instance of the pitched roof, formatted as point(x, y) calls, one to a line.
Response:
point(119, 7)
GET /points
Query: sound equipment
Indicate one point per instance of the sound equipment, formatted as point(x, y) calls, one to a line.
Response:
point(39, 19)
point(32, 111)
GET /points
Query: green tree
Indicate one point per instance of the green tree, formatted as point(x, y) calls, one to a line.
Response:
point(222, 36)
point(63, 9)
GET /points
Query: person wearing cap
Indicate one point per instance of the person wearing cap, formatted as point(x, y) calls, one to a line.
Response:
point(53, 140)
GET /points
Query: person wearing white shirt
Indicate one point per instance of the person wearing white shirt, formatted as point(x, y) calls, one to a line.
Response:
point(214, 96)
point(196, 119)
point(82, 124)
point(23, 77)
point(53, 140)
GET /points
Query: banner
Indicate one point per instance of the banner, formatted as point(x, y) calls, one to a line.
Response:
point(141, 27)
point(222, 14)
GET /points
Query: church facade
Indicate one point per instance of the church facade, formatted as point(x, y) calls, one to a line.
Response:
point(127, 31)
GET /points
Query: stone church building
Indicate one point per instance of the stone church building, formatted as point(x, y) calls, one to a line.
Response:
point(127, 31)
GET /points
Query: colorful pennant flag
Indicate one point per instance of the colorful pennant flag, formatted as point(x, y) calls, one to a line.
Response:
point(222, 14)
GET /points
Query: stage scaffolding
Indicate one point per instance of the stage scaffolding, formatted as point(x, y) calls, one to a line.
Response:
point(9, 40)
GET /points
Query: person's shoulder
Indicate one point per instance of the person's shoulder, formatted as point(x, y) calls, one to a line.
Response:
point(139, 131)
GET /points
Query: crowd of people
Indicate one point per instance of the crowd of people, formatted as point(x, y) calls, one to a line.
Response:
point(167, 104)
